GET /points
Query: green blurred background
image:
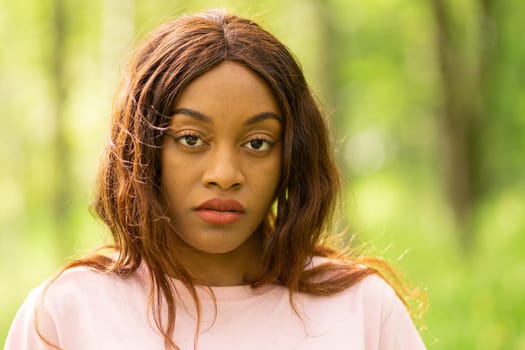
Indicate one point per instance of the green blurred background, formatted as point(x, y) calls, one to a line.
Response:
point(426, 100)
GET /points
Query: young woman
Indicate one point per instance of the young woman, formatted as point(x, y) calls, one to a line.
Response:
point(218, 187)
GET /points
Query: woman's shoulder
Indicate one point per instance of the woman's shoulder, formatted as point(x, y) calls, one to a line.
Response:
point(372, 301)
point(79, 300)
point(371, 291)
point(83, 284)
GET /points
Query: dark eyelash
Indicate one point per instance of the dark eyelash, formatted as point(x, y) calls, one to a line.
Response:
point(262, 138)
point(189, 133)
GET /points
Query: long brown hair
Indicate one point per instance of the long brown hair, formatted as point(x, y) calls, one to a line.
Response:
point(128, 196)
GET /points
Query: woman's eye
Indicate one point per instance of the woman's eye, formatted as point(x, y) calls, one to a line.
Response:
point(190, 140)
point(260, 145)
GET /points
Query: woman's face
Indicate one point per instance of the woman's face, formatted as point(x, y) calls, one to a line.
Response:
point(221, 159)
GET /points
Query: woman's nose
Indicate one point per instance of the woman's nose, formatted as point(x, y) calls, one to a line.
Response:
point(222, 169)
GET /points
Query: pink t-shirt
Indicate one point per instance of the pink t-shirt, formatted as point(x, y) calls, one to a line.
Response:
point(85, 309)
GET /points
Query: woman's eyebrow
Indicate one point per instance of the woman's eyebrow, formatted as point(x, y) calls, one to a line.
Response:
point(192, 113)
point(204, 118)
point(262, 116)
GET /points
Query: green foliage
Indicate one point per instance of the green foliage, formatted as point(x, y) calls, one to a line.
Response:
point(382, 91)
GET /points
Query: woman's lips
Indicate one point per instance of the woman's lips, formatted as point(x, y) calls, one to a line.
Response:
point(219, 217)
point(220, 211)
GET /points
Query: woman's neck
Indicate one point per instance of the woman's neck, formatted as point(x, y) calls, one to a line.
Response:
point(221, 269)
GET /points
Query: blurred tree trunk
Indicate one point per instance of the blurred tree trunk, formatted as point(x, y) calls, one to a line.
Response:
point(116, 39)
point(62, 185)
point(329, 51)
point(328, 61)
point(489, 47)
point(464, 92)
